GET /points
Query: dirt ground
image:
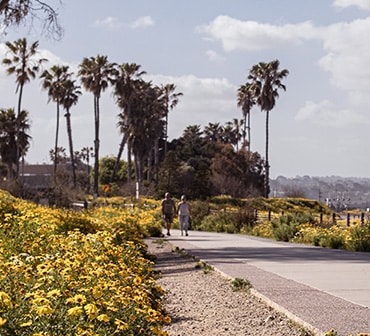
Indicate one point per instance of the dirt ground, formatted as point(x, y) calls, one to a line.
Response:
point(207, 304)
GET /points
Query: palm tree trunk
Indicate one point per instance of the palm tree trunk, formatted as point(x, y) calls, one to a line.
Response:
point(150, 166)
point(119, 155)
point(156, 161)
point(18, 129)
point(56, 145)
point(244, 129)
point(96, 145)
point(69, 131)
point(165, 133)
point(137, 170)
point(129, 162)
point(267, 165)
point(249, 131)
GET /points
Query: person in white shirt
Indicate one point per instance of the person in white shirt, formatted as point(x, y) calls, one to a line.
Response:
point(183, 211)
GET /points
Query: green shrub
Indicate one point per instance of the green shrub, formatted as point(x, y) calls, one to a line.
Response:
point(286, 227)
point(331, 241)
point(358, 239)
point(199, 210)
point(219, 222)
point(241, 284)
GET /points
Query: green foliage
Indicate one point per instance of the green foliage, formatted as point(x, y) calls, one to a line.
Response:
point(241, 284)
point(329, 240)
point(207, 268)
point(154, 230)
point(239, 173)
point(7, 205)
point(106, 166)
point(199, 210)
point(71, 220)
point(301, 205)
point(359, 238)
point(219, 222)
point(286, 227)
point(227, 200)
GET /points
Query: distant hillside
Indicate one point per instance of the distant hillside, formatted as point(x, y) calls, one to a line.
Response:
point(338, 192)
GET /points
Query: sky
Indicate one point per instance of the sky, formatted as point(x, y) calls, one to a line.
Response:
point(319, 125)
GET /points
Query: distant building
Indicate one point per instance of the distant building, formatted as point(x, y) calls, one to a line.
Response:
point(37, 177)
point(41, 176)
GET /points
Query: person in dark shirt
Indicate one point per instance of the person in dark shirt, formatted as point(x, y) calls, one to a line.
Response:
point(168, 211)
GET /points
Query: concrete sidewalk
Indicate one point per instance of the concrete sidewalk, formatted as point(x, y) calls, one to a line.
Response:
point(319, 288)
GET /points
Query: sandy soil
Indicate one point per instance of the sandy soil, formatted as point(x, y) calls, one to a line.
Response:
point(207, 304)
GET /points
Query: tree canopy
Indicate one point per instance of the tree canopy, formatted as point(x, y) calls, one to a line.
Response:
point(16, 12)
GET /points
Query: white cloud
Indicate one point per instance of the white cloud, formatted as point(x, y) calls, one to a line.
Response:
point(142, 22)
point(327, 114)
point(251, 35)
point(204, 100)
point(362, 4)
point(213, 56)
point(348, 54)
point(109, 23)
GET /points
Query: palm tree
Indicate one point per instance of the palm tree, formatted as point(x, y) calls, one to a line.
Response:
point(213, 132)
point(96, 74)
point(53, 81)
point(25, 66)
point(149, 117)
point(267, 80)
point(8, 132)
point(85, 154)
point(69, 98)
point(246, 100)
point(171, 100)
point(231, 132)
point(126, 87)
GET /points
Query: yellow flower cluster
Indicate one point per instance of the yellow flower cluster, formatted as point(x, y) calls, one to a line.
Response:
point(355, 237)
point(67, 273)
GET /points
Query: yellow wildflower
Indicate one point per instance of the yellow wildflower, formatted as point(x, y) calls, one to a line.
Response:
point(120, 324)
point(26, 324)
point(2, 321)
point(91, 309)
point(75, 311)
point(77, 299)
point(137, 281)
point(5, 300)
point(103, 318)
point(167, 320)
point(53, 293)
point(44, 310)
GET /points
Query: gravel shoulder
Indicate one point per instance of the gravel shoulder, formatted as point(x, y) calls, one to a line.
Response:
point(206, 304)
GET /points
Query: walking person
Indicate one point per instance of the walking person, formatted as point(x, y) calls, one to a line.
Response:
point(183, 210)
point(168, 211)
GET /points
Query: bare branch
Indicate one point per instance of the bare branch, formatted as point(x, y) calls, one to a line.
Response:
point(17, 12)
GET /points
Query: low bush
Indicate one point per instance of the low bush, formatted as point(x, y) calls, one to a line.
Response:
point(286, 227)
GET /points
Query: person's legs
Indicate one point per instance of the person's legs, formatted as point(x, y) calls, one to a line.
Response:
point(182, 223)
point(186, 224)
point(168, 219)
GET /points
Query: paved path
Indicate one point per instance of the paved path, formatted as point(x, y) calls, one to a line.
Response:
point(321, 288)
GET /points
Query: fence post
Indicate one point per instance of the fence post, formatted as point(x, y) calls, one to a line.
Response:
point(321, 217)
point(348, 218)
point(269, 215)
point(362, 218)
point(334, 221)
